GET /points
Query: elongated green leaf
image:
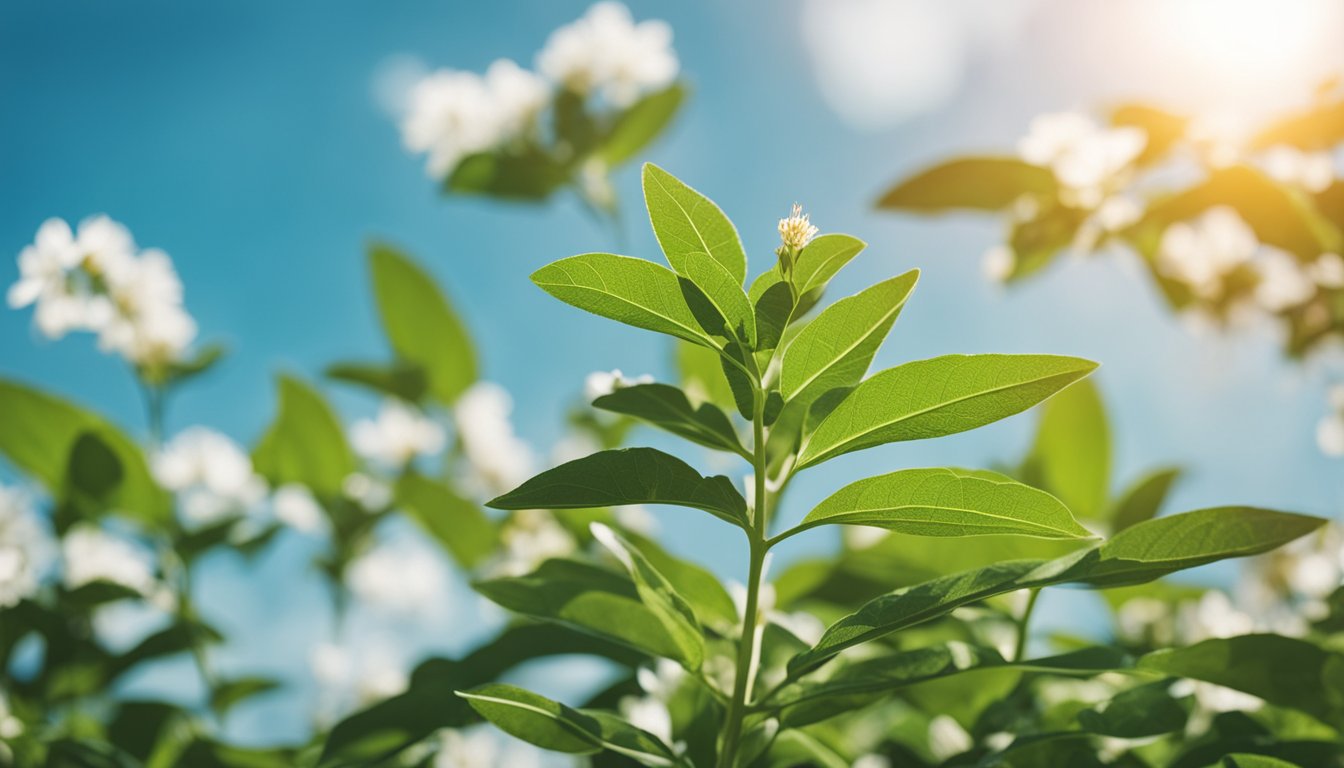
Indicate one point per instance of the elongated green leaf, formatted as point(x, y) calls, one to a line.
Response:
point(946, 502)
point(627, 476)
point(554, 726)
point(1247, 760)
point(713, 605)
point(1147, 551)
point(587, 598)
point(229, 694)
point(835, 350)
point(305, 443)
point(822, 258)
point(860, 683)
point(643, 122)
point(686, 222)
point(940, 396)
point(913, 605)
point(628, 290)
point(531, 175)
point(420, 323)
point(1155, 548)
point(656, 592)
point(975, 183)
point(458, 524)
point(405, 380)
point(1144, 499)
point(734, 315)
point(667, 407)
point(1139, 712)
point(1072, 452)
point(40, 436)
point(1281, 670)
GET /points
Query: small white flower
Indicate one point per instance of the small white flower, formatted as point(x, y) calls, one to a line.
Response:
point(1213, 616)
point(402, 579)
point(1313, 171)
point(481, 747)
point(449, 117)
point(1330, 435)
point(998, 263)
point(1328, 270)
point(796, 230)
point(370, 493)
point(91, 554)
point(1201, 252)
point(648, 713)
point(52, 275)
point(517, 96)
point(24, 547)
point(1284, 283)
point(599, 383)
point(499, 459)
point(211, 474)
point(399, 434)
point(150, 325)
point(294, 505)
point(605, 52)
point(1086, 158)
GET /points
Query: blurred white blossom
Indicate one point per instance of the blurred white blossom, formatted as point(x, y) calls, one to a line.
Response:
point(600, 383)
point(1330, 429)
point(947, 738)
point(24, 547)
point(92, 554)
point(211, 475)
point(1200, 253)
point(294, 505)
point(1313, 171)
point(10, 726)
point(1212, 616)
point(998, 263)
point(402, 578)
point(1284, 283)
point(370, 493)
point(1087, 159)
point(529, 538)
point(482, 747)
point(96, 281)
point(1327, 270)
point(348, 679)
point(399, 434)
point(605, 52)
point(499, 459)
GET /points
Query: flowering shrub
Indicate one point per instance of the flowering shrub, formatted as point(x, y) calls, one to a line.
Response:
point(607, 83)
point(920, 675)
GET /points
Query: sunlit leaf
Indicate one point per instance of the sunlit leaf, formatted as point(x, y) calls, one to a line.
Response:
point(686, 222)
point(643, 122)
point(1143, 500)
point(656, 592)
point(1071, 456)
point(667, 407)
point(975, 183)
point(305, 443)
point(733, 315)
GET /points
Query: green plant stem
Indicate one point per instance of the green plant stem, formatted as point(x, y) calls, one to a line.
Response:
point(1024, 625)
point(746, 650)
point(154, 412)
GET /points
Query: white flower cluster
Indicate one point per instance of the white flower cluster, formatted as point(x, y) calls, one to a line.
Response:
point(1312, 171)
point(649, 710)
point(499, 459)
point(398, 435)
point(1202, 253)
point(24, 547)
point(91, 554)
point(1088, 160)
point(405, 580)
point(211, 475)
point(97, 280)
point(600, 383)
point(348, 679)
point(452, 114)
point(481, 746)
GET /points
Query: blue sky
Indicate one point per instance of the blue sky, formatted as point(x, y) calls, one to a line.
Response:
point(245, 140)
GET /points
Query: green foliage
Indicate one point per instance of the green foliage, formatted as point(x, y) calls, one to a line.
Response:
point(305, 444)
point(906, 639)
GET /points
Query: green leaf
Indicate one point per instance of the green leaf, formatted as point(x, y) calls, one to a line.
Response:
point(735, 317)
point(702, 376)
point(625, 289)
point(835, 350)
point(946, 502)
point(1155, 548)
point(201, 362)
point(1072, 451)
point(701, 588)
point(230, 693)
point(643, 122)
point(975, 183)
point(40, 436)
point(913, 605)
point(305, 444)
point(862, 682)
point(1246, 760)
point(587, 598)
point(554, 726)
point(1139, 712)
point(656, 592)
point(420, 323)
point(627, 476)
point(404, 380)
point(821, 259)
point(1283, 671)
point(773, 308)
point(668, 408)
point(686, 222)
point(458, 524)
point(936, 397)
point(529, 176)
point(1144, 499)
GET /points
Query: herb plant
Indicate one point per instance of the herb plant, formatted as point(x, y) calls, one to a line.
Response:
point(787, 394)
